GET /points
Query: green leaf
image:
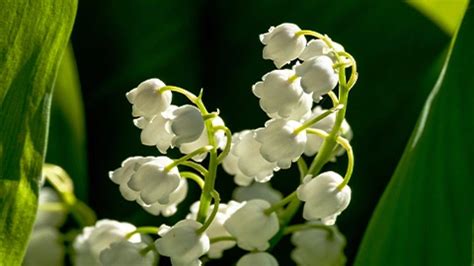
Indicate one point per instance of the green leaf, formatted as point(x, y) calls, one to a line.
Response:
point(423, 217)
point(67, 140)
point(447, 14)
point(33, 36)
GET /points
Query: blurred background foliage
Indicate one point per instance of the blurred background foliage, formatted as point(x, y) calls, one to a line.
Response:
point(214, 45)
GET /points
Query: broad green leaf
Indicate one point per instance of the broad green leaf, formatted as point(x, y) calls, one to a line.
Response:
point(66, 144)
point(33, 36)
point(446, 13)
point(423, 216)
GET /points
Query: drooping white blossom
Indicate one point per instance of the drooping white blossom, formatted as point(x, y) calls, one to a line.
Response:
point(176, 197)
point(251, 226)
point(249, 160)
point(46, 216)
point(282, 43)
point(318, 246)
point(257, 190)
point(94, 239)
point(147, 100)
point(323, 199)
point(230, 163)
point(257, 258)
point(182, 243)
point(45, 248)
point(279, 143)
point(156, 131)
point(317, 76)
point(186, 124)
point(203, 140)
point(281, 96)
point(127, 253)
point(154, 182)
point(217, 229)
point(121, 176)
point(319, 47)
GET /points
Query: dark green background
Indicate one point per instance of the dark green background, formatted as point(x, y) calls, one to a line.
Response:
point(214, 45)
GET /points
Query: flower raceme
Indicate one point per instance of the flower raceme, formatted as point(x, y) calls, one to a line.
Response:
point(296, 126)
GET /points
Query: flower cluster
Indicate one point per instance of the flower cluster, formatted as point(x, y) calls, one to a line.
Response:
point(259, 216)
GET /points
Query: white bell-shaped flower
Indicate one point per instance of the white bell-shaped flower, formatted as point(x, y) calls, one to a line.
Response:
point(318, 247)
point(217, 229)
point(249, 160)
point(154, 182)
point(323, 199)
point(257, 258)
point(251, 226)
point(182, 242)
point(279, 142)
point(126, 253)
point(318, 47)
point(176, 197)
point(257, 190)
point(186, 124)
point(155, 131)
point(203, 140)
point(282, 43)
point(147, 100)
point(317, 76)
point(45, 248)
point(281, 96)
point(121, 176)
point(94, 239)
point(230, 163)
point(46, 216)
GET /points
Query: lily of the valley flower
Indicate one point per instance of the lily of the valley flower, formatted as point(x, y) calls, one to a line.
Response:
point(45, 248)
point(257, 258)
point(94, 239)
point(186, 124)
point(251, 226)
point(175, 197)
point(182, 243)
point(317, 76)
point(323, 198)
point(154, 182)
point(279, 142)
point(282, 43)
point(319, 47)
point(324, 246)
point(127, 253)
point(257, 190)
point(281, 96)
point(147, 100)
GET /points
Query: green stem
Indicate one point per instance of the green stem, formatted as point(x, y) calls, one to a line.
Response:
point(280, 204)
point(228, 143)
point(334, 99)
point(318, 118)
point(151, 230)
point(302, 168)
point(195, 166)
point(350, 158)
point(193, 98)
point(196, 178)
point(217, 200)
point(187, 157)
point(222, 238)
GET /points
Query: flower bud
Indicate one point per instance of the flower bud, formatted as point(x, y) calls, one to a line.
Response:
point(322, 245)
point(147, 100)
point(45, 217)
point(282, 43)
point(251, 226)
point(257, 190)
point(94, 239)
point(279, 143)
point(182, 242)
point(127, 253)
point(323, 199)
point(186, 124)
point(281, 96)
point(257, 258)
point(317, 76)
point(154, 182)
point(45, 248)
